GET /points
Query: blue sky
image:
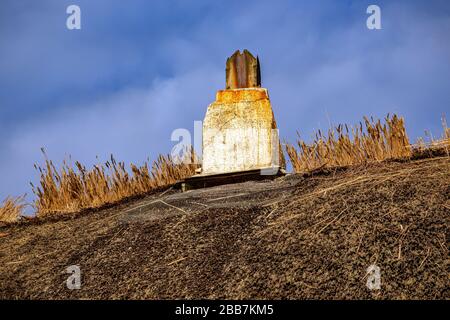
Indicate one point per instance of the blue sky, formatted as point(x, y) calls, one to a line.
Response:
point(137, 70)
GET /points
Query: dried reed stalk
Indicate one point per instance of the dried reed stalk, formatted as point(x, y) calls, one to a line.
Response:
point(73, 188)
point(342, 146)
point(11, 209)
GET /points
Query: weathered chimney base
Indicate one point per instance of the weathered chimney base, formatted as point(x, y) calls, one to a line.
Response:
point(240, 133)
point(211, 180)
point(240, 140)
